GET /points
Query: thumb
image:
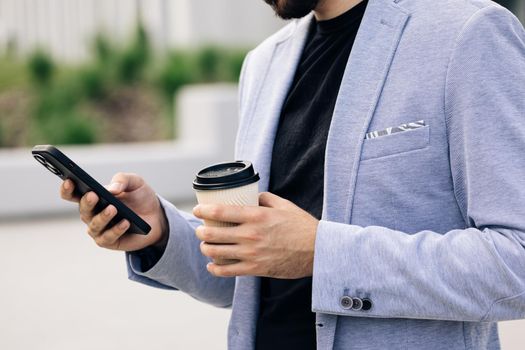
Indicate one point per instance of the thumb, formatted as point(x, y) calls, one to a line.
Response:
point(270, 200)
point(125, 182)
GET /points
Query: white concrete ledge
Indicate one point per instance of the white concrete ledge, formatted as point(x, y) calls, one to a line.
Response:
point(207, 127)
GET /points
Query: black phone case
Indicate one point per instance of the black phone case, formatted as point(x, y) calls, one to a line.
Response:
point(59, 164)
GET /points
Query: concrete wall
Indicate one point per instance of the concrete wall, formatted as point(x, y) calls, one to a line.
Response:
point(208, 119)
point(65, 27)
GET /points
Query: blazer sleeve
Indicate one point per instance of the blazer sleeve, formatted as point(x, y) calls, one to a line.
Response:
point(182, 266)
point(472, 274)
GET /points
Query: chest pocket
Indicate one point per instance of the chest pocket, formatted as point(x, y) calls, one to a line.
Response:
point(397, 143)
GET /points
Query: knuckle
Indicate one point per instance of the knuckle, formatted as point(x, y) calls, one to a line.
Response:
point(257, 215)
point(264, 196)
point(252, 253)
point(94, 227)
point(227, 273)
point(253, 235)
point(119, 175)
point(208, 235)
point(115, 232)
point(206, 250)
point(84, 218)
point(83, 214)
point(199, 232)
point(84, 200)
point(213, 269)
point(137, 177)
point(211, 252)
point(220, 271)
point(216, 212)
point(254, 268)
point(100, 241)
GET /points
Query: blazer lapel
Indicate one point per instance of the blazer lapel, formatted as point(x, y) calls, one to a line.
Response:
point(361, 87)
point(258, 134)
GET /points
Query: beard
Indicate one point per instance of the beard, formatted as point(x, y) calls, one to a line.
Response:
point(288, 9)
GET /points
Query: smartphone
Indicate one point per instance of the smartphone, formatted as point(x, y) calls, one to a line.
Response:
point(63, 167)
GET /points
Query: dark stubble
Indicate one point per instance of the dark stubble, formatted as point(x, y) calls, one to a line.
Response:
point(288, 9)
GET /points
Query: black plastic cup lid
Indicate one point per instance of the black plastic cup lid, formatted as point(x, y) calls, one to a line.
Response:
point(225, 175)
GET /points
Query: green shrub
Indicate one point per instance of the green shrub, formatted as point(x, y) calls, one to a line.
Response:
point(218, 64)
point(41, 68)
point(64, 129)
point(135, 58)
point(78, 130)
point(93, 82)
point(103, 52)
point(235, 61)
point(58, 99)
point(66, 95)
point(178, 70)
point(208, 64)
point(209, 61)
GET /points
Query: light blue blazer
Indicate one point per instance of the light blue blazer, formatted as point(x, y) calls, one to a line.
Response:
point(429, 224)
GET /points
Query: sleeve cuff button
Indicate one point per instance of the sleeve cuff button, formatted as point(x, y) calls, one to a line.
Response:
point(357, 304)
point(346, 302)
point(367, 304)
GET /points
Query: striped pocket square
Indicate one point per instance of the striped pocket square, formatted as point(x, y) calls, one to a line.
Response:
point(395, 129)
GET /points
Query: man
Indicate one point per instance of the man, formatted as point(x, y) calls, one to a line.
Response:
point(391, 133)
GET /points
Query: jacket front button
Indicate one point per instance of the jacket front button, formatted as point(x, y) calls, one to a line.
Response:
point(357, 304)
point(346, 302)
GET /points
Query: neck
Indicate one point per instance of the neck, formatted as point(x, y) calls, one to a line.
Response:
point(328, 9)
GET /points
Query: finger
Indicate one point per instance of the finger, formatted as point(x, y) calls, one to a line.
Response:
point(228, 213)
point(231, 270)
point(100, 221)
point(67, 191)
point(220, 251)
point(270, 200)
point(125, 182)
point(86, 206)
point(219, 235)
point(110, 238)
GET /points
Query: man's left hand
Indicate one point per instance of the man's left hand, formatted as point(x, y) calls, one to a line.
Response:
point(276, 239)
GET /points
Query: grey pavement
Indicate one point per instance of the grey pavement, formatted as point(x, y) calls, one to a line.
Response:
point(58, 290)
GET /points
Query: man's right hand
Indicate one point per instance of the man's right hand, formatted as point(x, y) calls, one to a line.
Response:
point(138, 196)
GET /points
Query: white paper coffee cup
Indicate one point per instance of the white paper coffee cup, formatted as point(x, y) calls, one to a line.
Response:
point(231, 183)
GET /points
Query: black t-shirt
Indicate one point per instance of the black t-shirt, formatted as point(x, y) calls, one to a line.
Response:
point(285, 318)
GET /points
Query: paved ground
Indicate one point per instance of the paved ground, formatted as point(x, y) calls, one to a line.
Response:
point(58, 291)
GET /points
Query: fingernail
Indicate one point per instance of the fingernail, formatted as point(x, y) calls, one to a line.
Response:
point(115, 186)
point(123, 224)
point(107, 211)
point(67, 186)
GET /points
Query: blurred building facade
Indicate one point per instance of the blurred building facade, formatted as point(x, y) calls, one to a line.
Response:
point(65, 27)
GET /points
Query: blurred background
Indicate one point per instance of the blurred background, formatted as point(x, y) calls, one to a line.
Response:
point(140, 86)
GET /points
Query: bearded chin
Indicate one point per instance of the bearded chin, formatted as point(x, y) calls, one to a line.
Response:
point(288, 9)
